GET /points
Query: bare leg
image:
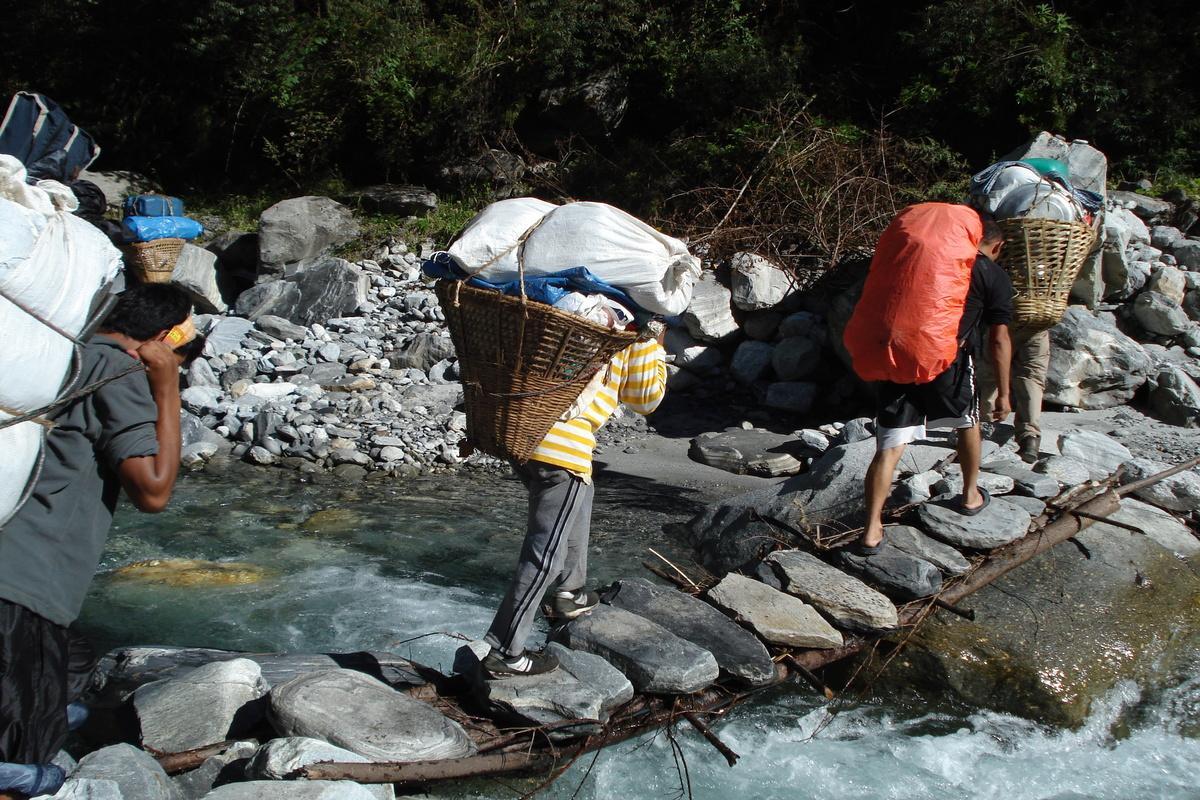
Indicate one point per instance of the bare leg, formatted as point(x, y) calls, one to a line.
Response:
point(878, 487)
point(969, 449)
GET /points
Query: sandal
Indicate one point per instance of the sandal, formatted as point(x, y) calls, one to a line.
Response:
point(970, 512)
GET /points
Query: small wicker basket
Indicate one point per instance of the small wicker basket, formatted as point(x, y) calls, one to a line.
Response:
point(153, 261)
point(523, 364)
point(1043, 258)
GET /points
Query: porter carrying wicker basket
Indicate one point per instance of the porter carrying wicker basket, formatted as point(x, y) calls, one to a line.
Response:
point(1043, 257)
point(153, 261)
point(522, 364)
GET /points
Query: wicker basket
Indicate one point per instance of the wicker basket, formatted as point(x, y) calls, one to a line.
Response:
point(154, 261)
point(522, 364)
point(1043, 257)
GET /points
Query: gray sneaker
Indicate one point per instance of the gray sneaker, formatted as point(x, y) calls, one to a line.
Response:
point(569, 605)
point(528, 663)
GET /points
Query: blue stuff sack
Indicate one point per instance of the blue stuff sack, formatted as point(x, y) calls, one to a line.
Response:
point(147, 229)
point(153, 205)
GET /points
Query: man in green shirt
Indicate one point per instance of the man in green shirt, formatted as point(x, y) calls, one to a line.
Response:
point(122, 435)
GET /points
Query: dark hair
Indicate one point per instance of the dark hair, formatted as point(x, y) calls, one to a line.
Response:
point(992, 232)
point(143, 312)
point(191, 351)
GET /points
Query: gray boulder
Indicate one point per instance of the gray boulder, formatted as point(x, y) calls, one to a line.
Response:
point(737, 538)
point(654, 659)
point(1175, 398)
point(737, 652)
point(1160, 314)
point(422, 352)
point(281, 757)
point(757, 283)
point(952, 482)
point(136, 772)
point(294, 234)
point(196, 273)
point(709, 317)
point(998, 524)
point(1065, 470)
point(1164, 236)
point(849, 602)
point(796, 357)
point(278, 298)
point(1092, 364)
point(762, 325)
point(359, 713)
point(280, 328)
point(690, 354)
point(392, 198)
point(1170, 282)
point(908, 539)
point(1180, 492)
point(1157, 525)
point(1025, 480)
point(213, 703)
point(227, 335)
point(291, 790)
point(332, 288)
point(778, 618)
point(1187, 253)
point(1102, 454)
point(751, 361)
point(752, 452)
point(794, 397)
point(896, 572)
point(224, 767)
point(1032, 505)
point(1148, 209)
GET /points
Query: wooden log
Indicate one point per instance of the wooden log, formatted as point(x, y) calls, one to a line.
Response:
point(705, 731)
point(174, 763)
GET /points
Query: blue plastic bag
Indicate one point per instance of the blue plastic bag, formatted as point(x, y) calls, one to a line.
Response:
point(147, 229)
point(153, 205)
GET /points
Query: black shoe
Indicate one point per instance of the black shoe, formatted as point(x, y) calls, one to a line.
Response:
point(528, 663)
point(574, 605)
point(1030, 449)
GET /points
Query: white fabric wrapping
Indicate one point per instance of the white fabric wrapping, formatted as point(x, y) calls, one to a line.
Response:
point(656, 270)
point(490, 239)
point(51, 264)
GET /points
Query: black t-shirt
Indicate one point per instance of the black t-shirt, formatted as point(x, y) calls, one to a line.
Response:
point(989, 302)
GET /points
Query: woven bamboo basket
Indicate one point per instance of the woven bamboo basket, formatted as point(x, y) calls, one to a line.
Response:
point(522, 364)
point(1043, 257)
point(153, 261)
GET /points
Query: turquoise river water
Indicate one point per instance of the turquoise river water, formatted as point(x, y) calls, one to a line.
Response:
point(383, 563)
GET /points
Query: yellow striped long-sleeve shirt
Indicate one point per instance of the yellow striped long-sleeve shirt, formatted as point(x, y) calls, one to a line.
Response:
point(637, 377)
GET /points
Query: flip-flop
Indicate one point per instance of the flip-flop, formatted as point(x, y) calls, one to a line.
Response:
point(860, 549)
point(970, 512)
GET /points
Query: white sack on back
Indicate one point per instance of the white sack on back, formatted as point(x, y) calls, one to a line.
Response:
point(490, 239)
point(656, 270)
point(1043, 200)
point(1010, 178)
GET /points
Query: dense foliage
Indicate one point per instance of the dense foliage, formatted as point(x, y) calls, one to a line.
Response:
point(632, 102)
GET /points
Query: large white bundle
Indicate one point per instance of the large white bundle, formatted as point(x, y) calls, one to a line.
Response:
point(490, 239)
point(52, 265)
point(1043, 200)
point(656, 270)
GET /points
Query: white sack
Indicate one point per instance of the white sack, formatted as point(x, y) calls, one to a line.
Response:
point(53, 264)
point(1043, 200)
point(490, 239)
point(656, 270)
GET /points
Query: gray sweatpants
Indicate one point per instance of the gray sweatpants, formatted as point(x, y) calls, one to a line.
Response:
point(554, 552)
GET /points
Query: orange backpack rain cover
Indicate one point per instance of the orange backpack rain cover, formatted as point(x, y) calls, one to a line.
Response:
point(905, 326)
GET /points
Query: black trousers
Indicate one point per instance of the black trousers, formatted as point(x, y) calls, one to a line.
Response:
point(43, 667)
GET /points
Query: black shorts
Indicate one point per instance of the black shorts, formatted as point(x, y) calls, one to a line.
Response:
point(903, 410)
point(43, 667)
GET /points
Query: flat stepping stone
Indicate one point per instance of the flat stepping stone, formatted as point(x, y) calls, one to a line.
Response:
point(280, 757)
point(910, 540)
point(951, 482)
point(654, 659)
point(896, 572)
point(777, 617)
point(738, 652)
point(291, 790)
point(846, 600)
point(228, 691)
point(1102, 454)
point(1032, 505)
point(749, 452)
point(584, 687)
point(998, 524)
point(1159, 526)
point(365, 716)
point(918, 458)
point(1025, 481)
point(1064, 469)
